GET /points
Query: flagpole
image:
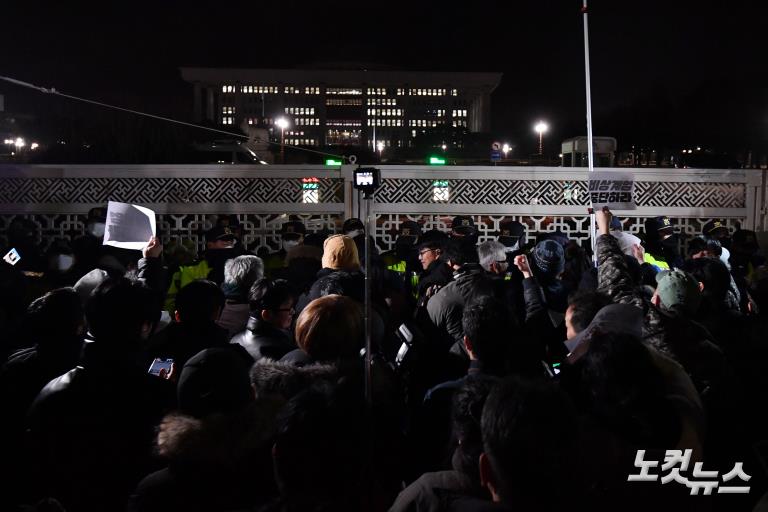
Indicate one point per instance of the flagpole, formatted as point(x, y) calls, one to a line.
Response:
point(590, 154)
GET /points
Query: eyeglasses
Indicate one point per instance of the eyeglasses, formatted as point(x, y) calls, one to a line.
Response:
point(423, 252)
point(502, 262)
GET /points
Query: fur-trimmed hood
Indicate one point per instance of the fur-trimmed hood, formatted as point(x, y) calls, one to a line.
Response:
point(218, 440)
point(284, 380)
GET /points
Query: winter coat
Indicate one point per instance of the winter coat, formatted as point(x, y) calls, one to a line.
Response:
point(222, 462)
point(446, 308)
point(91, 430)
point(671, 333)
point(263, 340)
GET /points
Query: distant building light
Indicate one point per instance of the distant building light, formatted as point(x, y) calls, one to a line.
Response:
point(19, 143)
point(34, 145)
point(436, 160)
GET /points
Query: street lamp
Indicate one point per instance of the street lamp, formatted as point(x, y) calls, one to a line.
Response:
point(541, 128)
point(282, 123)
point(505, 148)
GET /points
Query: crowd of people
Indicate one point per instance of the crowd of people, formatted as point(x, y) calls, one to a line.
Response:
point(519, 373)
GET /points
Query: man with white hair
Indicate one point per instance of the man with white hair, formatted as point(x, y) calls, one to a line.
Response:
point(239, 275)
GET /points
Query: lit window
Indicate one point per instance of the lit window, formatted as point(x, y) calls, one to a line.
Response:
point(441, 193)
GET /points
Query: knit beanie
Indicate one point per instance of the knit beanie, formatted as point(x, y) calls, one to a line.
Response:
point(548, 258)
point(340, 253)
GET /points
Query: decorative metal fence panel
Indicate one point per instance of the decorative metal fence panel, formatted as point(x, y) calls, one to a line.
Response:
point(188, 198)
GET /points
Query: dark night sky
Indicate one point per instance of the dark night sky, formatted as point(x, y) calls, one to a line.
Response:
point(663, 72)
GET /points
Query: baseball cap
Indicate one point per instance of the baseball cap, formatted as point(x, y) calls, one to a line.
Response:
point(617, 318)
point(220, 233)
point(663, 223)
point(409, 228)
point(714, 225)
point(463, 224)
point(292, 228)
point(678, 289)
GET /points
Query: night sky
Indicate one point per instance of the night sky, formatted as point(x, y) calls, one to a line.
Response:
point(664, 73)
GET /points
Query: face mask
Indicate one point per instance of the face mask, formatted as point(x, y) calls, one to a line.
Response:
point(96, 229)
point(63, 262)
point(289, 244)
point(355, 233)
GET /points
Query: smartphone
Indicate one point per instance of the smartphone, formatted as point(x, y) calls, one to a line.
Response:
point(160, 364)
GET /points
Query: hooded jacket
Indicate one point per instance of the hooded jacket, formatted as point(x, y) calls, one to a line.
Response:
point(222, 462)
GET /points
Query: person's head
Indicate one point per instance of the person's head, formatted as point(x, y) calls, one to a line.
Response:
point(340, 253)
point(409, 232)
point(677, 292)
point(272, 301)
point(488, 328)
point(220, 237)
point(660, 228)
point(119, 310)
point(319, 449)
point(529, 436)
point(56, 318)
point(512, 235)
point(718, 230)
point(353, 227)
point(96, 222)
point(292, 234)
point(620, 385)
point(466, 412)
point(704, 248)
point(215, 381)
point(583, 305)
point(547, 260)
point(744, 243)
point(713, 275)
point(240, 273)
point(407, 237)
point(429, 252)
point(492, 257)
point(330, 328)
point(452, 254)
point(463, 227)
point(199, 302)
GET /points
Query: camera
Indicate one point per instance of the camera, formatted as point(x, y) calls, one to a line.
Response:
point(367, 179)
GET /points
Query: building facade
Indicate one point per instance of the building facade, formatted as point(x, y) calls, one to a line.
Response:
point(343, 108)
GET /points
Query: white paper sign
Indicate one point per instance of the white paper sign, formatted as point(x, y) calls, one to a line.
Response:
point(616, 190)
point(12, 257)
point(128, 226)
